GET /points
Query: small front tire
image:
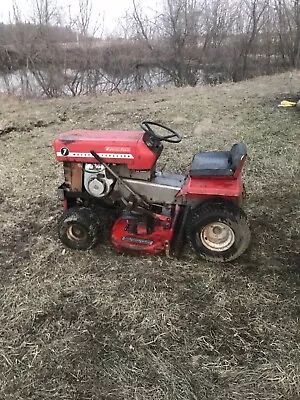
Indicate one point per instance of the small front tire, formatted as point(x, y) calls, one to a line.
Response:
point(78, 228)
point(218, 231)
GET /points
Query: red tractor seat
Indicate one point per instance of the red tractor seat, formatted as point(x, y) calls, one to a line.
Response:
point(218, 163)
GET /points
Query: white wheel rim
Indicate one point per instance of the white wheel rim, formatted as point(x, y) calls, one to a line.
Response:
point(217, 236)
point(76, 233)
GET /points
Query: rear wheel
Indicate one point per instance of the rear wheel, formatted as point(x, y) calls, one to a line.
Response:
point(78, 228)
point(218, 231)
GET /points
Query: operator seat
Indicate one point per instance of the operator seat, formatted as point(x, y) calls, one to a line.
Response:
point(218, 163)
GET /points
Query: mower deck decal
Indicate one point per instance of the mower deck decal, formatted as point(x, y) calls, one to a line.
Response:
point(137, 240)
point(102, 155)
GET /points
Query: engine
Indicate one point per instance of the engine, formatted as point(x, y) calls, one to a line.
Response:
point(96, 182)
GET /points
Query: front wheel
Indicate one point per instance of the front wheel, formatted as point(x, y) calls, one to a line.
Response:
point(218, 231)
point(78, 228)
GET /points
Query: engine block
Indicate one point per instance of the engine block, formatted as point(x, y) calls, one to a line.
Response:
point(96, 182)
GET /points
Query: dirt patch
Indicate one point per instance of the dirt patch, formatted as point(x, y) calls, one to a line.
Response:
point(25, 128)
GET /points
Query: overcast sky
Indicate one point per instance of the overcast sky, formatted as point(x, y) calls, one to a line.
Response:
point(111, 10)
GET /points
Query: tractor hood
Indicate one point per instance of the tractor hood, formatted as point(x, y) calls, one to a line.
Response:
point(115, 147)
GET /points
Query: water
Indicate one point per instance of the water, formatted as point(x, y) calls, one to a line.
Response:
point(55, 83)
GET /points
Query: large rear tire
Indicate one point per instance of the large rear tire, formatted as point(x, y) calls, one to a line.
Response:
point(218, 231)
point(78, 228)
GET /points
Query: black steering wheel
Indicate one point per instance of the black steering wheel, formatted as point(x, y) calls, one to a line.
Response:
point(174, 137)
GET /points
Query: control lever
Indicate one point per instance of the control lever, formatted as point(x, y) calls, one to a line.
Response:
point(138, 198)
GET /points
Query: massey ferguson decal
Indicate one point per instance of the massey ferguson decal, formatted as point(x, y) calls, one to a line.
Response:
point(115, 149)
point(66, 153)
point(137, 240)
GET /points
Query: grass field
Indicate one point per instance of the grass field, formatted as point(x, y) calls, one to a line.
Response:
point(99, 325)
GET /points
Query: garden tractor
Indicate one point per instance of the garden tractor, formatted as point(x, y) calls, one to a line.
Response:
point(111, 184)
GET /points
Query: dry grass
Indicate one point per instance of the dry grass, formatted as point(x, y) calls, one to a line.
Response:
point(99, 325)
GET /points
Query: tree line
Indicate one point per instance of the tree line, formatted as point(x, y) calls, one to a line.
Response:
point(184, 43)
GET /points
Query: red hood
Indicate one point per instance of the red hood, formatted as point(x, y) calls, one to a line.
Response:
point(115, 147)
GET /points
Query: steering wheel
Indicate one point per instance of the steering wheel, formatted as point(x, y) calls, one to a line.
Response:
point(146, 126)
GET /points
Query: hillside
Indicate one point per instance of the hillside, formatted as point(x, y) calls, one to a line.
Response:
point(99, 325)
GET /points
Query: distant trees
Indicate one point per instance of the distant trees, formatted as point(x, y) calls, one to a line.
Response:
point(185, 42)
point(288, 30)
point(214, 40)
point(177, 37)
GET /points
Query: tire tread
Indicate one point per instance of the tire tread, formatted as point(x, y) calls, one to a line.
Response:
point(212, 209)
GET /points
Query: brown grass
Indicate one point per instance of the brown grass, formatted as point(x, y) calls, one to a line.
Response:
point(99, 325)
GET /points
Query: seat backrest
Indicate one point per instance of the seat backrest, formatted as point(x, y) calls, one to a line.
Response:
point(237, 151)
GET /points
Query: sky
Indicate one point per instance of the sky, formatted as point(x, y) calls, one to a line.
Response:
point(108, 10)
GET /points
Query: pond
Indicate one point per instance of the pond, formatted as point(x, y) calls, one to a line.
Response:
point(55, 83)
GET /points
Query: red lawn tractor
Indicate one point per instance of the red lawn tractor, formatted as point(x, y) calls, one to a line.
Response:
point(112, 185)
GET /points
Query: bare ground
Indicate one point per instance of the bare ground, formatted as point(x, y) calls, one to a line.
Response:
point(99, 325)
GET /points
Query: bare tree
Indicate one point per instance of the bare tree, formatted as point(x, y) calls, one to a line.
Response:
point(288, 29)
point(173, 38)
point(45, 12)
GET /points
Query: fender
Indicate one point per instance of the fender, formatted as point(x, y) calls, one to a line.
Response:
point(202, 188)
point(230, 187)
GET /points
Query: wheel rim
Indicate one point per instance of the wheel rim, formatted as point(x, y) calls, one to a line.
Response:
point(217, 236)
point(76, 233)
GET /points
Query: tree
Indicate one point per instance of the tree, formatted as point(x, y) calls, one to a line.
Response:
point(174, 39)
point(288, 29)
